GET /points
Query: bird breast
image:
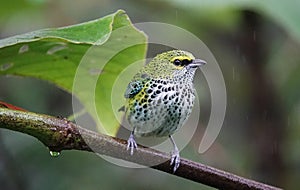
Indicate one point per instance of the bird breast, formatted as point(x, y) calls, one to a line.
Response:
point(161, 107)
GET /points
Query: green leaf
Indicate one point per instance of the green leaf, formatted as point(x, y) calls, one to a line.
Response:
point(285, 13)
point(73, 58)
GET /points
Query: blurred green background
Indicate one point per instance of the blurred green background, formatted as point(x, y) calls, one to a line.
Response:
point(257, 46)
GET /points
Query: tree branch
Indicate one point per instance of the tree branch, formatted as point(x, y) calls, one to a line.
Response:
point(59, 134)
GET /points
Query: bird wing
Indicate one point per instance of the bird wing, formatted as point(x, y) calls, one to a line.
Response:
point(133, 88)
point(136, 86)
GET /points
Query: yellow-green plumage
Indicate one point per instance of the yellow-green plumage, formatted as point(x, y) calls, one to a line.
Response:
point(160, 97)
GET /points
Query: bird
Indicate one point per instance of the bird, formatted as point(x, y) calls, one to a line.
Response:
point(160, 98)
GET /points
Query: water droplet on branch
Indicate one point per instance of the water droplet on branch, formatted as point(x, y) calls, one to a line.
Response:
point(54, 154)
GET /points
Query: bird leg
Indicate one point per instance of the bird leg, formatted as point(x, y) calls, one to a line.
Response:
point(131, 144)
point(175, 158)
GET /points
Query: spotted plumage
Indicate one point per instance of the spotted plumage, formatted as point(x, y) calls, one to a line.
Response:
point(160, 97)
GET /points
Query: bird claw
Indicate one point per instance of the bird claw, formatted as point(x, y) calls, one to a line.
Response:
point(175, 159)
point(131, 144)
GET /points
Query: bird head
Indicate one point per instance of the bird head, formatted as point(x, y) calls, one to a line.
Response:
point(175, 63)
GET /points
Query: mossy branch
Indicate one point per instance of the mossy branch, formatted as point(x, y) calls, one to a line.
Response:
point(60, 134)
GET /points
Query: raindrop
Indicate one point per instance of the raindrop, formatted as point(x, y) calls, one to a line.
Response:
point(56, 49)
point(238, 49)
point(244, 59)
point(275, 148)
point(5, 66)
point(54, 154)
point(23, 49)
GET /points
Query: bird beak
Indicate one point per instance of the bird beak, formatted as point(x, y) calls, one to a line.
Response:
point(197, 63)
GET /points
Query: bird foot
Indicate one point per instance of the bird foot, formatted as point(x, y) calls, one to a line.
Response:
point(131, 144)
point(175, 160)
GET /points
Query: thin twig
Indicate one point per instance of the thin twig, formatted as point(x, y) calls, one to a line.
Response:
point(60, 134)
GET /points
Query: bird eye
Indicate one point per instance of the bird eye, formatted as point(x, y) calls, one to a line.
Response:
point(177, 62)
point(185, 62)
